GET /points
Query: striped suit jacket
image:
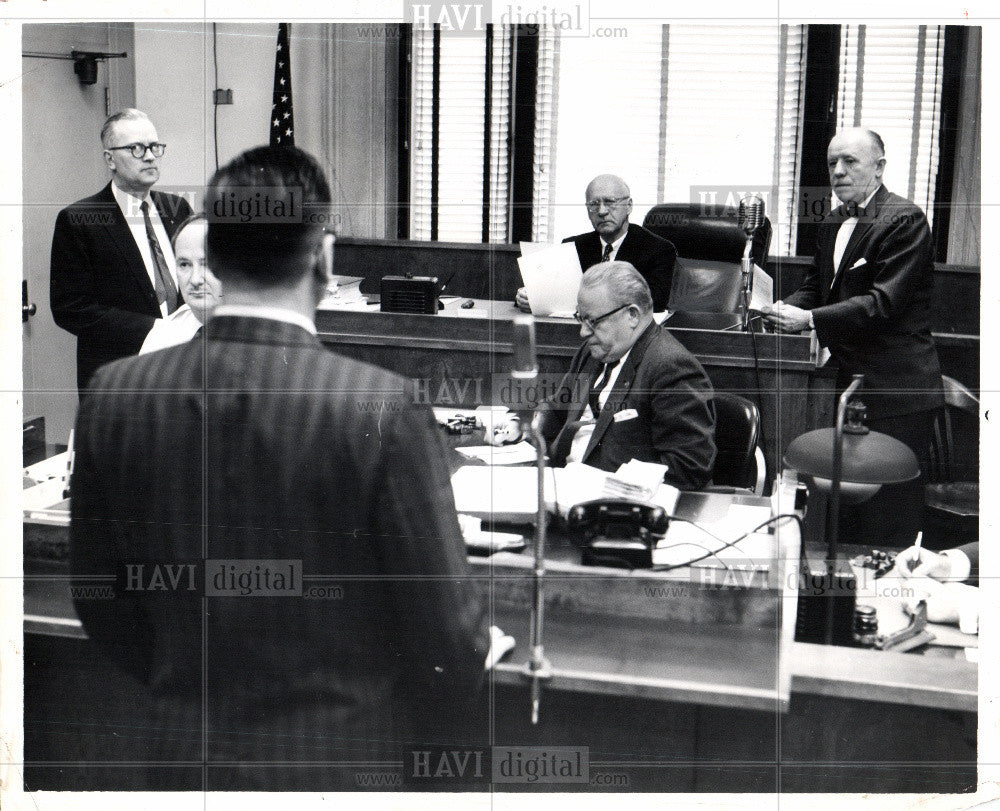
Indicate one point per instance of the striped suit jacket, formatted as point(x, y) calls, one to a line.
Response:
point(248, 445)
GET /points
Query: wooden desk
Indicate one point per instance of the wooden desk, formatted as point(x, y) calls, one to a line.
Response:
point(461, 357)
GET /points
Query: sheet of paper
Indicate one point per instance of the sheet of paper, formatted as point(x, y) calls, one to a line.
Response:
point(552, 278)
point(517, 454)
point(763, 289)
point(534, 247)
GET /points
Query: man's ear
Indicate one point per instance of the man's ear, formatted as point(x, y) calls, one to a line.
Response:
point(323, 263)
point(109, 160)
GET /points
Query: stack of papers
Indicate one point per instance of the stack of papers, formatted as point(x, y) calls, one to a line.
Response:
point(551, 275)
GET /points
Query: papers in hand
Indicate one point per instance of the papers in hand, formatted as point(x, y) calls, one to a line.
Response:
point(763, 289)
point(551, 275)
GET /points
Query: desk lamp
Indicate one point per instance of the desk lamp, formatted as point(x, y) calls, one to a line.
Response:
point(851, 463)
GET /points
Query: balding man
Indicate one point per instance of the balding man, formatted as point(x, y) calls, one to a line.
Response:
point(609, 204)
point(868, 296)
point(647, 397)
point(112, 268)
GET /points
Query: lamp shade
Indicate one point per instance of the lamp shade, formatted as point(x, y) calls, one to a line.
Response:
point(869, 458)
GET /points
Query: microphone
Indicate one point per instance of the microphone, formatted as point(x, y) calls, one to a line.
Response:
point(525, 354)
point(749, 217)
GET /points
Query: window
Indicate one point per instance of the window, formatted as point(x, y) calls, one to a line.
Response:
point(890, 81)
point(461, 121)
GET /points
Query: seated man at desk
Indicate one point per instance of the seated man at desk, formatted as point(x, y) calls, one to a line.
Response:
point(946, 580)
point(648, 398)
point(609, 204)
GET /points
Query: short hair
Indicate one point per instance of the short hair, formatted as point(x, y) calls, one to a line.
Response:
point(128, 114)
point(266, 211)
point(624, 283)
point(198, 216)
point(877, 142)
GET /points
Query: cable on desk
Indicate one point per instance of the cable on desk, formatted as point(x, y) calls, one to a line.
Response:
point(726, 544)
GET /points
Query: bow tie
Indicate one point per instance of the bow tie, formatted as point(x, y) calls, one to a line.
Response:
point(850, 210)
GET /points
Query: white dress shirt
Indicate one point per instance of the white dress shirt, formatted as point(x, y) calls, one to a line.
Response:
point(177, 328)
point(614, 246)
point(582, 437)
point(130, 206)
point(844, 234)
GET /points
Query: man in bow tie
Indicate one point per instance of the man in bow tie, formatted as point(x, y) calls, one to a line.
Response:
point(868, 296)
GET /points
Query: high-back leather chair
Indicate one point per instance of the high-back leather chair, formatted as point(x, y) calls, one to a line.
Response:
point(709, 246)
point(739, 461)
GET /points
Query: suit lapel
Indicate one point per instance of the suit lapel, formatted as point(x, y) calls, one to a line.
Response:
point(118, 233)
point(861, 229)
point(621, 389)
point(625, 250)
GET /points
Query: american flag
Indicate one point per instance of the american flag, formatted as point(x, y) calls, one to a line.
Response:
point(282, 121)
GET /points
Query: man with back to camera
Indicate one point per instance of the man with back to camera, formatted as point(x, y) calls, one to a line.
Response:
point(253, 447)
point(868, 296)
point(112, 270)
point(609, 204)
point(647, 397)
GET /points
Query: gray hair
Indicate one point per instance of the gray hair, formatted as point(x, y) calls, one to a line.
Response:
point(624, 284)
point(128, 114)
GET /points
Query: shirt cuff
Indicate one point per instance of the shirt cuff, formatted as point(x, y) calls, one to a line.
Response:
point(961, 566)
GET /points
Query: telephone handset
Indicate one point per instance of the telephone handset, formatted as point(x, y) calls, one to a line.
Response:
point(615, 532)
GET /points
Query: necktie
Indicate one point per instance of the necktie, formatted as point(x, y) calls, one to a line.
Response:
point(166, 291)
point(597, 388)
point(606, 256)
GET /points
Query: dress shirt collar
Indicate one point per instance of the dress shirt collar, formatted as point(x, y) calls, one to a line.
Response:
point(856, 210)
point(265, 311)
point(129, 203)
point(617, 243)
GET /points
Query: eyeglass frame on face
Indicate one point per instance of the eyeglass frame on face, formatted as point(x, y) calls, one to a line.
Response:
point(591, 323)
point(607, 202)
point(132, 148)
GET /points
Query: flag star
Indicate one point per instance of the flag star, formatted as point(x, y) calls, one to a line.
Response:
point(281, 64)
point(276, 122)
point(278, 139)
point(282, 80)
point(286, 115)
point(288, 131)
point(284, 98)
point(279, 46)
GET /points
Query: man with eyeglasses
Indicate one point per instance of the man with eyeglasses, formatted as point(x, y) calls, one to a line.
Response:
point(647, 397)
point(609, 204)
point(112, 268)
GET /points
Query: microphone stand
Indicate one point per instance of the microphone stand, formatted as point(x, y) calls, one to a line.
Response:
point(538, 667)
point(746, 268)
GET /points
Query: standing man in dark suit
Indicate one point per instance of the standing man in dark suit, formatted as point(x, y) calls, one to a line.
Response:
point(609, 204)
point(259, 452)
point(112, 269)
point(868, 296)
point(632, 391)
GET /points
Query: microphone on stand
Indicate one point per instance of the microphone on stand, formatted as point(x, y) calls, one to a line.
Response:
point(525, 368)
point(749, 217)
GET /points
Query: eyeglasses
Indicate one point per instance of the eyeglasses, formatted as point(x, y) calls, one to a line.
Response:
point(591, 323)
point(606, 202)
point(139, 150)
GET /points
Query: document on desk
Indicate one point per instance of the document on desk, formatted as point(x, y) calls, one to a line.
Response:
point(517, 454)
point(551, 276)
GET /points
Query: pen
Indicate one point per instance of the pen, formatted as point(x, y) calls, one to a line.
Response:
point(916, 561)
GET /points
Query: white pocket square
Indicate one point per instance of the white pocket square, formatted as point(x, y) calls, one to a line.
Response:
point(626, 414)
point(859, 263)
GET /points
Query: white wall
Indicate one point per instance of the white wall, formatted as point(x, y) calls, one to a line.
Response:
point(175, 80)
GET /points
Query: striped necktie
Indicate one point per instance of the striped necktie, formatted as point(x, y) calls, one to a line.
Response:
point(597, 388)
point(166, 290)
point(606, 257)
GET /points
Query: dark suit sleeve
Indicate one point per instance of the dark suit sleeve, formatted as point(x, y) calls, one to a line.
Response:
point(896, 264)
point(808, 295)
point(72, 288)
point(971, 551)
point(445, 633)
point(97, 544)
point(682, 425)
point(659, 272)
